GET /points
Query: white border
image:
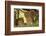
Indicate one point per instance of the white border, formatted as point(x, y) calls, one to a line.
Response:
point(25, 28)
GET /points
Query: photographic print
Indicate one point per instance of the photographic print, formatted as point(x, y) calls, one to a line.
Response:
point(24, 18)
